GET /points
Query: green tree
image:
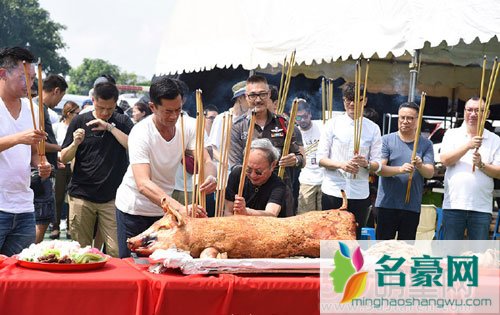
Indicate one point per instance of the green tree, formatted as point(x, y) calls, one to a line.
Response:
point(23, 22)
point(82, 78)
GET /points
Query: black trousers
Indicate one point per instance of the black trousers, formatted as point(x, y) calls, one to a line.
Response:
point(390, 221)
point(359, 207)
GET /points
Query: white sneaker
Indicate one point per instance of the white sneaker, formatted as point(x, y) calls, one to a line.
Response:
point(63, 225)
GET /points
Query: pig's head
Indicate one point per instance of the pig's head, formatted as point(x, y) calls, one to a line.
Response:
point(161, 234)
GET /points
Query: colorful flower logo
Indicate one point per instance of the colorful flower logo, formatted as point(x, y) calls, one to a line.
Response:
point(346, 277)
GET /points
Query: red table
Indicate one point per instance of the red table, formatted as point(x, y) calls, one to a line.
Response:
point(233, 294)
point(114, 289)
point(124, 287)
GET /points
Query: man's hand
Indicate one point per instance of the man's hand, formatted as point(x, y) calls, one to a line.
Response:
point(475, 142)
point(33, 136)
point(44, 169)
point(417, 162)
point(199, 211)
point(406, 168)
point(78, 136)
point(350, 167)
point(209, 185)
point(288, 160)
point(360, 160)
point(98, 124)
point(476, 159)
point(239, 205)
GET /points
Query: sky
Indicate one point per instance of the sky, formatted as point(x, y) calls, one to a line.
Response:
point(127, 33)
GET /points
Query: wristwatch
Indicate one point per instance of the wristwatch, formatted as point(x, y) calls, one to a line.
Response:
point(482, 165)
point(298, 161)
point(110, 127)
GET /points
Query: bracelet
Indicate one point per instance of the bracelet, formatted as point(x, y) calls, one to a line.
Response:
point(482, 165)
point(110, 127)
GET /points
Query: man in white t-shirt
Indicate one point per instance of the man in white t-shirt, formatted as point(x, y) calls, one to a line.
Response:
point(155, 150)
point(468, 195)
point(311, 176)
point(18, 140)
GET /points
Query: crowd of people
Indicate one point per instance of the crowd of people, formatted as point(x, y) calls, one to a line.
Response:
point(118, 175)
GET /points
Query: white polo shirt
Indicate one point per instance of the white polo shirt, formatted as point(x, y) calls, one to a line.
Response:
point(464, 189)
point(337, 143)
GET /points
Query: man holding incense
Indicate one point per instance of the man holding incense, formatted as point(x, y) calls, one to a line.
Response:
point(468, 194)
point(264, 192)
point(54, 88)
point(156, 149)
point(394, 213)
point(345, 170)
point(18, 150)
point(267, 125)
point(311, 176)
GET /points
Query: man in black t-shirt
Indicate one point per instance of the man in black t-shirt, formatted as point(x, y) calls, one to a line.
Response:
point(264, 192)
point(98, 142)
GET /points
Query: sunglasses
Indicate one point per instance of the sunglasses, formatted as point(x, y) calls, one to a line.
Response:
point(249, 171)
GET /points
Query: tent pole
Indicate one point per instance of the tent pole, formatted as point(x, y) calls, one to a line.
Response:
point(414, 67)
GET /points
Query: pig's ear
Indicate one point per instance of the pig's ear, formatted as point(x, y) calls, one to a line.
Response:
point(175, 216)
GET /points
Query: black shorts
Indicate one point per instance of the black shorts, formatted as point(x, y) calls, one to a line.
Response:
point(44, 212)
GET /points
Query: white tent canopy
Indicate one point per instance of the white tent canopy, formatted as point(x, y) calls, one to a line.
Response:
point(257, 34)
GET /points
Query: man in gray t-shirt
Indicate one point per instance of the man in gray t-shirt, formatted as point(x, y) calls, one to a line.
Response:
point(394, 214)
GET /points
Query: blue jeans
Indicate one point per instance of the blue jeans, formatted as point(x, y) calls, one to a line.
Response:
point(455, 222)
point(17, 231)
point(129, 225)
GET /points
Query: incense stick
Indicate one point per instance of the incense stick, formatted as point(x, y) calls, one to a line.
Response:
point(184, 172)
point(415, 144)
point(289, 135)
point(323, 98)
point(41, 112)
point(28, 88)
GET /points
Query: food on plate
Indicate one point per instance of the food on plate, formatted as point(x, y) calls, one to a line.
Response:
point(246, 236)
point(61, 252)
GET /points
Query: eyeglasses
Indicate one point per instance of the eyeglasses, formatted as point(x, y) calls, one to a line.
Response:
point(474, 110)
point(261, 95)
point(348, 101)
point(249, 171)
point(301, 117)
point(210, 117)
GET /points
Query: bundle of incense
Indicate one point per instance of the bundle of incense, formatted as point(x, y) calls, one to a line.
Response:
point(483, 110)
point(289, 134)
point(415, 144)
point(359, 104)
point(26, 68)
point(286, 85)
point(199, 168)
point(247, 153)
point(227, 122)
